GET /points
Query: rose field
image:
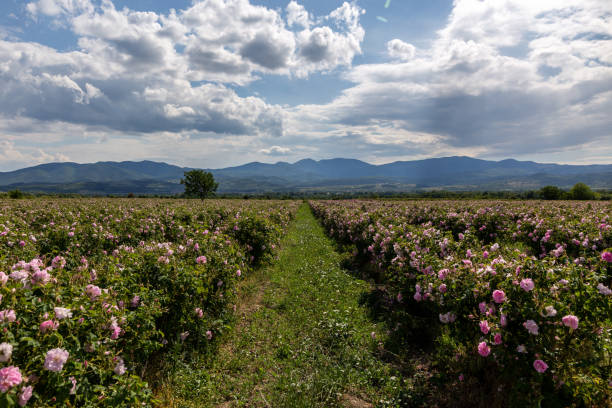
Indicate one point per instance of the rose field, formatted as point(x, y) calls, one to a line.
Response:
point(513, 298)
point(93, 290)
point(347, 303)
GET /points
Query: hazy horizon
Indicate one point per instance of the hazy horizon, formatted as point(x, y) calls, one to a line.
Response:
point(273, 162)
point(220, 83)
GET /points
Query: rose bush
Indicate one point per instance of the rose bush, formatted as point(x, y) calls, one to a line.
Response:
point(519, 289)
point(91, 289)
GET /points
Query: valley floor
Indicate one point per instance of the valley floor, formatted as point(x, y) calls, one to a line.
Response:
point(302, 339)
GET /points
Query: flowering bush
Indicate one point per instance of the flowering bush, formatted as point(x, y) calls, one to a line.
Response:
point(521, 290)
point(98, 286)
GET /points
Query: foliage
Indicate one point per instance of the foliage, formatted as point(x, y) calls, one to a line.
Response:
point(15, 194)
point(505, 290)
point(112, 283)
point(581, 191)
point(304, 342)
point(199, 184)
point(551, 193)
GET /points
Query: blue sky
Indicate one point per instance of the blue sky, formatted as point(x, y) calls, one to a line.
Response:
point(214, 83)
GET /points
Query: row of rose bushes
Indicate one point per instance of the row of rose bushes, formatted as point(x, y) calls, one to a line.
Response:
point(534, 320)
point(90, 290)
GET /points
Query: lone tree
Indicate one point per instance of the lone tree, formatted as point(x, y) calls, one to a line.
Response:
point(199, 183)
point(581, 191)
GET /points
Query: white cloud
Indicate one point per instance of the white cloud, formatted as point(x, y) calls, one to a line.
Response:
point(55, 8)
point(503, 77)
point(400, 49)
point(12, 157)
point(147, 72)
point(275, 151)
point(297, 15)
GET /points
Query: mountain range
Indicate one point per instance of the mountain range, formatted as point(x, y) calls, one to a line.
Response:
point(456, 173)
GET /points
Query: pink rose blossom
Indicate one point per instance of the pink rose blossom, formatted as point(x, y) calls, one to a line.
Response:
point(93, 291)
point(115, 331)
point(20, 276)
point(484, 327)
point(6, 351)
point(58, 262)
point(62, 313)
point(135, 301)
point(209, 335)
point(531, 326)
point(74, 384)
point(483, 349)
point(540, 366)
point(499, 296)
point(40, 277)
point(199, 312)
point(527, 284)
point(497, 339)
point(120, 367)
point(25, 395)
point(549, 311)
point(55, 359)
point(48, 325)
point(8, 315)
point(9, 377)
point(201, 260)
point(604, 290)
point(447, 317)
point(606, 256)
point(442, 288)
point(570, 321)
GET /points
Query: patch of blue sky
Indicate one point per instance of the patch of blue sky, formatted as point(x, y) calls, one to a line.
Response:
point(21, 27)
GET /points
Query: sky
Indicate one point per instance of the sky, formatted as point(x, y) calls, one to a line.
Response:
point(217, 83)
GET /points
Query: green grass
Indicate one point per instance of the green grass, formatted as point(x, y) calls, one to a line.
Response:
point(302, 339)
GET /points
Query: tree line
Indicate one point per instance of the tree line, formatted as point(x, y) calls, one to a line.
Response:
point(201, 184)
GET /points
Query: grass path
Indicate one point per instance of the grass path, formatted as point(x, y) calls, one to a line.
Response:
point(302, 339)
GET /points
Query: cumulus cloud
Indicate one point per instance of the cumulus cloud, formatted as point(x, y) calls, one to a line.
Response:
point(501, 78)
point(511, 77)
point(56, 8)
point(275, 151)
point(400, 49)
point(297, 15)
point(12, 157)
point(145, 72)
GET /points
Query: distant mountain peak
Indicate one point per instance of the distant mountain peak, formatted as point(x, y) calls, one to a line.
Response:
point(454, 172)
